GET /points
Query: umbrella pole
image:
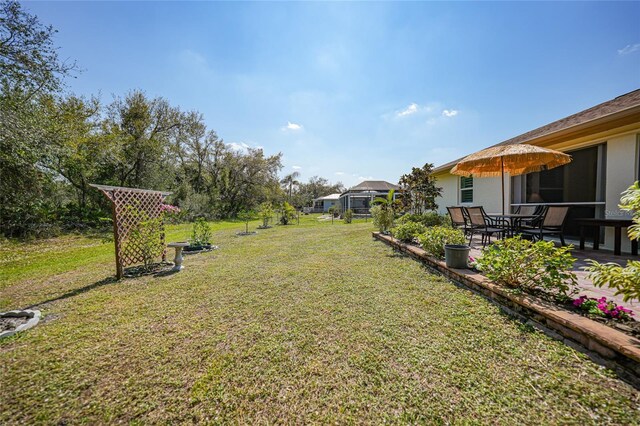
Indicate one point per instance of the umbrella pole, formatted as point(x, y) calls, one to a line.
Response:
point(502, 181)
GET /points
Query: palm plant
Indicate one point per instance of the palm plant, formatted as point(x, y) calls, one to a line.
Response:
point(289, 181)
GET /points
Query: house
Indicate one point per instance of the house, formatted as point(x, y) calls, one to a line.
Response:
point(604, 142)
point(323, 204)
point(358, 198)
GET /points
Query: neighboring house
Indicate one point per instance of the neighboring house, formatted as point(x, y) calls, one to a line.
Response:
point(323, 204)
point(359, 197)
point(604, 142)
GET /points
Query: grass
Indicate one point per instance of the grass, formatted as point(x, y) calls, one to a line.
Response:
point(313, 323)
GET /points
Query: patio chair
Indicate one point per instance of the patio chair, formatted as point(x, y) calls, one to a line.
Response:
point(458, 219)
point(480, 223)
point(551, 223)
point(537, 211)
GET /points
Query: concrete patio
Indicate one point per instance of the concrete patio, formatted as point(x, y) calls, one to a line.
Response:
point(586, 286)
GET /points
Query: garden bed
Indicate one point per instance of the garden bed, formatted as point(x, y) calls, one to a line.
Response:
point(606, 345)
point(14, 321)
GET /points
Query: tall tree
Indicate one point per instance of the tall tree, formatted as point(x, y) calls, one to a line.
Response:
point(30, 71)
point(289, 181)
point(141, 128)
point(419, 190)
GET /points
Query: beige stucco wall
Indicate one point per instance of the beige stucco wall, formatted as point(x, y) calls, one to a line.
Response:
point(486, 193)
point(622, 159)
point(449, 185)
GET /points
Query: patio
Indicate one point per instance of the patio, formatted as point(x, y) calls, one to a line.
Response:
point(586, 286)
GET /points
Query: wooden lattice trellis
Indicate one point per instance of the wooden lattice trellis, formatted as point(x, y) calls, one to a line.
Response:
point(125, 203)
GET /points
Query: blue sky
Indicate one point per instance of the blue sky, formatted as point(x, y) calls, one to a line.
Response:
point(351, 91)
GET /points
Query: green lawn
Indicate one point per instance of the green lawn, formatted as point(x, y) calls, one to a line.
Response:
point(312, 323)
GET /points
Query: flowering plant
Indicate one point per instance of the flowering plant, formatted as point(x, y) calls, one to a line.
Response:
point(472, 262)
point(603, 308)
point(169, 209)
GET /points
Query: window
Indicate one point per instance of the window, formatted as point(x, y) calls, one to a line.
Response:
point(466, 189)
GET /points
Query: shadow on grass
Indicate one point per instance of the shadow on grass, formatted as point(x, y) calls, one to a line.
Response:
point(76, 292)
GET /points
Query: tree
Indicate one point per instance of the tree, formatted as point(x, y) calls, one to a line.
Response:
point(419, 190)
point(314, 188)
point(30, 73)
point(29, 62)
point(77, 152)
point(266, 213)
point(289, 181)
point(140, 128)
point(384, 211)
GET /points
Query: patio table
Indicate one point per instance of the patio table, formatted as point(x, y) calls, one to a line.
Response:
point(617, 224)
point(514, 219)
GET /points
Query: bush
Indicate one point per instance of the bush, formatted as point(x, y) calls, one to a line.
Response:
point(201, 233)
point(382, 218)
point(287, 213)
point(348, 216)
point(434, 239)
point(526, 265)
point(426, 219)
point(625, 280)
point(265, 213)
point(408, 231)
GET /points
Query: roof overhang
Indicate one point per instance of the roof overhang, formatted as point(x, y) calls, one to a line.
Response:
point(618, 122)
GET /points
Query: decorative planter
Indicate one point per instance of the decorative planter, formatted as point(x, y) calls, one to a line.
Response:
point(456, 256)
point(28, 318)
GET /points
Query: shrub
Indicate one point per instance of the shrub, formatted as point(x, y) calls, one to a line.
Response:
point(382, 218)
point(200, 233)
point(526, 265)
point(348, 216)
point(602, 308)
point(287, 213)
point(265, 213)
point(625, 280)
point(408, 231)
point(426, 219)
point(434, 239)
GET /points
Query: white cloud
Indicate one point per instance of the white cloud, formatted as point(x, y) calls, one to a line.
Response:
point(296, 167)
point(340, 173)
point(629, 48)
point(293, 127)
point(411, 109)
point(238, 146)
point(450, 113)
point(365, 177)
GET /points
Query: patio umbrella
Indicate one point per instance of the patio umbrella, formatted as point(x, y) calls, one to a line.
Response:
point(516, 159)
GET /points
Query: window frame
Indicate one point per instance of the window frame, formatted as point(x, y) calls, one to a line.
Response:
point(467, 189)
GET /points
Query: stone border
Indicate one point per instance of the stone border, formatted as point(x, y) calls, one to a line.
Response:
point(33, 315)
point(605, 345)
